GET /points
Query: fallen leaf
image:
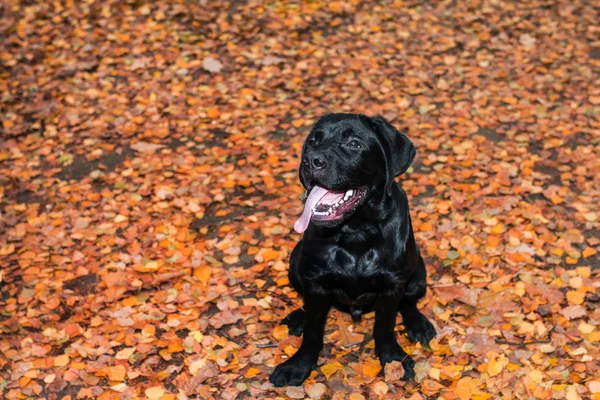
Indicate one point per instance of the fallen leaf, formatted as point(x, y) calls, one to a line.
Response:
point(330, 368)
point(212, 65)
point(393, 371)
point(371, 367)
point(116, 373)
point(155, 392)
point(61, 361)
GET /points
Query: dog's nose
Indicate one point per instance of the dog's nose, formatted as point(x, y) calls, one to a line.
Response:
point(318, 161)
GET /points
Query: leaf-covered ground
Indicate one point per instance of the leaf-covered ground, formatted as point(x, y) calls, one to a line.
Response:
point(148, 188)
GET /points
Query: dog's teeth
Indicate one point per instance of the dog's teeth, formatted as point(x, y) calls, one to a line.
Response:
point(349, 192)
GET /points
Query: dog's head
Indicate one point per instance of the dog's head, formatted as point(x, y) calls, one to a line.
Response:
point(345, 159)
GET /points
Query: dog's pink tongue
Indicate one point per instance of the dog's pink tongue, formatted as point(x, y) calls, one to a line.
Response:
point(315, 195)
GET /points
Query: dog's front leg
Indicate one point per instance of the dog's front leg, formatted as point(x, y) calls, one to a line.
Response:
point(386, 344)
point(295, 370)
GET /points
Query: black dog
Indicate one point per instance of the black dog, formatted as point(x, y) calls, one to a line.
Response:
point(359, 252)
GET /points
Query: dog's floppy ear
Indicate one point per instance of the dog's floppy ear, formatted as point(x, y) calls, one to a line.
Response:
point(398, 150)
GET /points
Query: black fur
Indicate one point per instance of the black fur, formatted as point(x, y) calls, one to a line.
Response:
point(366, 261)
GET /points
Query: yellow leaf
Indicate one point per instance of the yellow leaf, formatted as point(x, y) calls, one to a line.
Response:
point(61, 361)
point(330, 369)
point(150, 266)
point(594, 337)
point(466, 387)
point(197, 335)
point(583, 272)
point(435, 373)
point(125, 353)
point(575, 297)
point(290, 350)
point(155, 393)
point(356, 396)
point(494, 367)
point(372, 367)
point(536, 375)
point(591, 216)
point(196, 365)
point(499, 228)
point(584, 327)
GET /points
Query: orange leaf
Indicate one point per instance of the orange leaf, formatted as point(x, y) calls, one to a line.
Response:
point(425, 227)
point(24, 380)
point(252, 372)
point(280, 332)
point(330, 368)
point(575, 297)
point(149, 266)
point(116, 373)
point(372, 367)
point(494, 241)
point(431, 387)
point(270, 255)
point(282, 281)
point(231, 259)
point(130, 301)
point(589, 251)
point(213, 113)
point(203, 273)
point(466, 387)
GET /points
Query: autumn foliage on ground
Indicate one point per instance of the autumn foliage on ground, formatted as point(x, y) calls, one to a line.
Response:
point(148, 187)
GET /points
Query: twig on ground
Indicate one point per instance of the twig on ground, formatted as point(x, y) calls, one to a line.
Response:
point(502, 341)
point(265, 345)
point(231, 339)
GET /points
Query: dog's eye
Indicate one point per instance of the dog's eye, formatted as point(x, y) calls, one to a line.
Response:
point(354, 143)
point(312, 141)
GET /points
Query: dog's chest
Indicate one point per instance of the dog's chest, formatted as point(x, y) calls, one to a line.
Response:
point(356, 278)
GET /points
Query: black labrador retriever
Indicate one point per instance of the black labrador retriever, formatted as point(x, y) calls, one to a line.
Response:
point(358, 252)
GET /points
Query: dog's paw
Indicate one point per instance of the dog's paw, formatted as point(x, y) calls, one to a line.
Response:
point(409, 369)
point(291, 373)
point(295, 322)
point(419, 329)
point(391, 353)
